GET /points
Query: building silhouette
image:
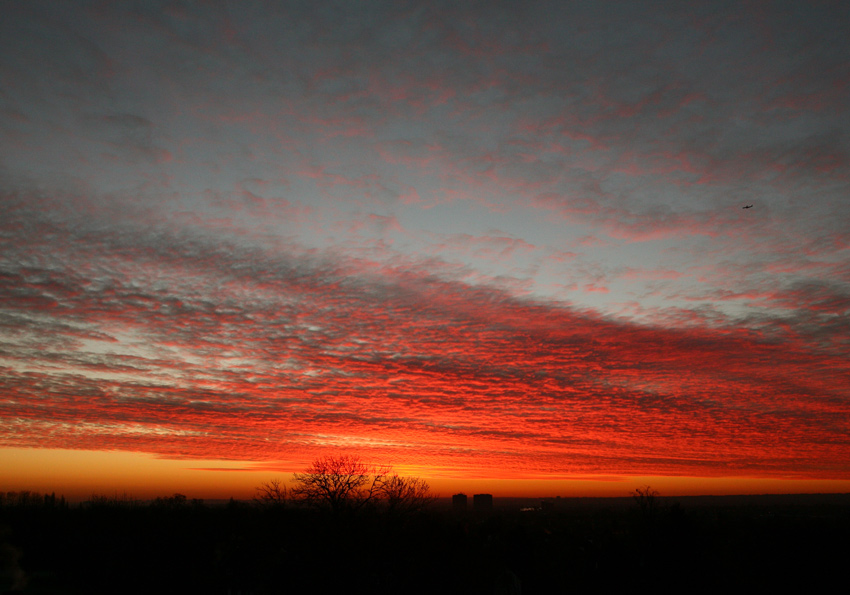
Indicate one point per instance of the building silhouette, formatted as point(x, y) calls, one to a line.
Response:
point(459, 502)
point(482, 502)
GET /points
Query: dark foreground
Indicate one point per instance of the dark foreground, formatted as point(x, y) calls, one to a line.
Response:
point(178, 546)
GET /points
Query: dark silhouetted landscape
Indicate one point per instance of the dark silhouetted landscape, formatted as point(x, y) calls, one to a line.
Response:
point(563, 545)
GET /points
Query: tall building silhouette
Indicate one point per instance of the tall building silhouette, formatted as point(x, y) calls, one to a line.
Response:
point(482, 502)
point(459, 502)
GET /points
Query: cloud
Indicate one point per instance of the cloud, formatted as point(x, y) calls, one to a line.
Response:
point(501, 238)
point(151, 340)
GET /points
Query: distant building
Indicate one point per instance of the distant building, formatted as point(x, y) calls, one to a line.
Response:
point(459, 502)
point(482, 502)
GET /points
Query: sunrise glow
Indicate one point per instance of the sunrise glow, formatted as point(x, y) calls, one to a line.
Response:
point(503, 249)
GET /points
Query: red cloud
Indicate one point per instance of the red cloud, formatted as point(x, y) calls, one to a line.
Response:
point(227, 352)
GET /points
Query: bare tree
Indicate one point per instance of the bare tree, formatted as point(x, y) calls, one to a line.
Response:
point(406, 495)
point(340, 484)
point(647, 500)
point(271, 493)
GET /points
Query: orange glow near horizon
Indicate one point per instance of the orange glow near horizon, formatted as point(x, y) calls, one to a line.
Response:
point(497, 274)
point(79, 474)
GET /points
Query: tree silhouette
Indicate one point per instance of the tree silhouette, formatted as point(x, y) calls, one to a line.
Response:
point(647, 500)
point(405, 495)
point(345, 484)
point(271, 493)
point(340, 484)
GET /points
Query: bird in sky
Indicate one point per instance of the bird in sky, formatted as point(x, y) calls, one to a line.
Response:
point(747, 207)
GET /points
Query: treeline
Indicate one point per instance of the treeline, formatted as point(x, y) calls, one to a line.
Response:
point(28, 499)
point(343, 485)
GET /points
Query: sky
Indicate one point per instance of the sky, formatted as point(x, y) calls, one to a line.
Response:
point(479, 241)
